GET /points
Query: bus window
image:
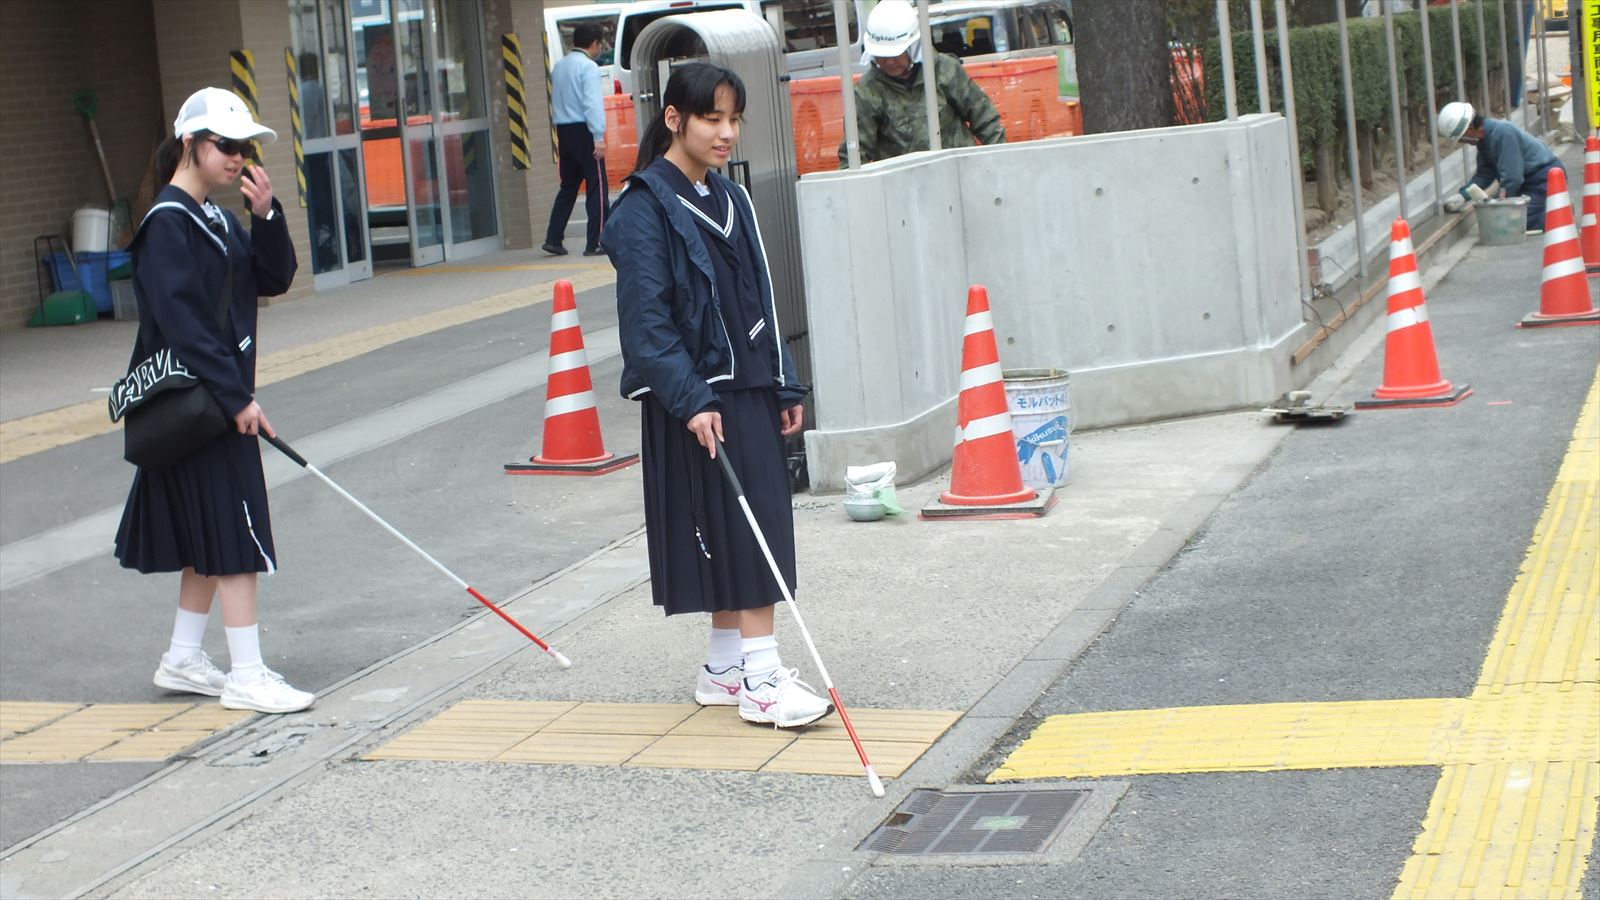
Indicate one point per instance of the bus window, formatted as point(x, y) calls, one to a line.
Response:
point(809, 25)
point(1060, 28)
point(608, 28)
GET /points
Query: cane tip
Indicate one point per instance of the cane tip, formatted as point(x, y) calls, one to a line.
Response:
point(876, 785)
point(561, 658)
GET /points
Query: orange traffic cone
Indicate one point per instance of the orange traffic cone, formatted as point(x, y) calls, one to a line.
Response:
point(572, 443)
point(985, 477)
point(1591, 205)
point(1564, 291)
point(1410, 367)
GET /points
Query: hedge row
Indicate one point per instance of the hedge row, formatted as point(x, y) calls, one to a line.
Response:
point(1319, 86)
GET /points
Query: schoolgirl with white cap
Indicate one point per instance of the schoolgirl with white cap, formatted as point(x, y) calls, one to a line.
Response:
point(206, 516)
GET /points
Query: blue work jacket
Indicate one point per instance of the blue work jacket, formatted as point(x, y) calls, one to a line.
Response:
point(675, 341)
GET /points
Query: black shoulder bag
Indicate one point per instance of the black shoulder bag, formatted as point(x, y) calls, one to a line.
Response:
point(170, 412)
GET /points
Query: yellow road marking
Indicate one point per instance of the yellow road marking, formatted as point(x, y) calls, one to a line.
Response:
point(664, 735)
point(1519, 794)
point(68, 732)
point(47, 430)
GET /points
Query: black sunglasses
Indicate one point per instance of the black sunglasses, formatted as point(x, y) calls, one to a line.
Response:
point(231, 147)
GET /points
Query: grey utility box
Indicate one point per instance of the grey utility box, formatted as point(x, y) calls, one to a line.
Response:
point(764, 159)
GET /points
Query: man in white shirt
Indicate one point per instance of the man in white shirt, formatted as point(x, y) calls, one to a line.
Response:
point(577, 108)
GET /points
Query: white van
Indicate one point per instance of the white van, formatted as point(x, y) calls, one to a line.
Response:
point(561, 21)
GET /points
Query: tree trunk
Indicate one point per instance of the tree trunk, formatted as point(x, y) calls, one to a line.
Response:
point(1327, 180)
point(1124, 66)
point(1366, 147)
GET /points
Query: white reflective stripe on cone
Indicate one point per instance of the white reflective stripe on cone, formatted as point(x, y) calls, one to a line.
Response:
point(1588, 220)
point(567, 318)
point(1405, 281)
point(1558, 200)
point(1406, 318)
point(988, 426)
point(560, 406)
point(1561, 234)
point(1571, 266)
point(982, 375)
point(566, 362)
point(978, 323)
point(1400, 248)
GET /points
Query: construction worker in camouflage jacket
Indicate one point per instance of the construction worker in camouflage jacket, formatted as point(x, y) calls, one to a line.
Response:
point(891, 109)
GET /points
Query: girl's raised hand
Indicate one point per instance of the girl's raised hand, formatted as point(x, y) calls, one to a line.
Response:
point(256, 186)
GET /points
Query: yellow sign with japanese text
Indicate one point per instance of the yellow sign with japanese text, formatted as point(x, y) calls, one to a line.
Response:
point(1591, 59)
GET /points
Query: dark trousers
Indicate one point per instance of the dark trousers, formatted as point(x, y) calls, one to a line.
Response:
point(578, 166)
point(1534, 189)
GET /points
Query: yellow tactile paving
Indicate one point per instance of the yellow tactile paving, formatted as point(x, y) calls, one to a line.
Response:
point(747, 752)
point(524, 267)
point(570, 748)
point(17, 716)
point(623, 718)
point(1515, 811)
point(37, 433)
point(101, 732)
point(665, 735)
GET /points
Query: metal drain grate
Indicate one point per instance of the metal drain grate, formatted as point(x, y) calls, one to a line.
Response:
point(979, 822)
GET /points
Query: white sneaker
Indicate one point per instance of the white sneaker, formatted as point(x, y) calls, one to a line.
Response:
point(267, 693)
point(195, 675)
point(719, 688)
point(782, 700)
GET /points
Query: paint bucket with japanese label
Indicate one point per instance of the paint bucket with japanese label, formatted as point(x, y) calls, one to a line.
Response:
point(1040, 401)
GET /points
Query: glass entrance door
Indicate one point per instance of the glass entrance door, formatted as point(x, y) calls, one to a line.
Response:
point(335, 186)
point(425, 129)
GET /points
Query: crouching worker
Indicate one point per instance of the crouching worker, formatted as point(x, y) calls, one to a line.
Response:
point(1506, 153)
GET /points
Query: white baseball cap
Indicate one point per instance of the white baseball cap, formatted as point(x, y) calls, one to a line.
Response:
point(222, 113)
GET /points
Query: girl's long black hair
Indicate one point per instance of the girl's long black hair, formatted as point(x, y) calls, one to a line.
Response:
point(692, 91)
point(170, 153)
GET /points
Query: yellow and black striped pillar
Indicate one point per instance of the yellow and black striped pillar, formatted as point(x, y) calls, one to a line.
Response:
point(516, 105)
point(549, 101)
point(297, 127)
point(242, 64)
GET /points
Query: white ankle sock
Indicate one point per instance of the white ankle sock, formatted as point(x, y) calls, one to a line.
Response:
point(244, 652)
point(188, 630)
point(760, 657)
point(724, 652)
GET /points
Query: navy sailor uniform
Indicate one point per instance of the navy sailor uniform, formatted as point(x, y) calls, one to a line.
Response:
point(209, 511)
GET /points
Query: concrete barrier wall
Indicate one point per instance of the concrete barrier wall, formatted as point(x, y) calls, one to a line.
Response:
point(1158, 267)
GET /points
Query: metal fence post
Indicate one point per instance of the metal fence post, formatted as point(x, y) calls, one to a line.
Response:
point(1258, 35)
point(1433, 113)
point(1350, 136)
point(1225, 41)
point(1483, 56)
point(1505, 55)
point(1296, 175)
point(1522, 61)
point(930, 71)
point(847, 87)
point(1394, 108)
point(1461, 63)
point(1544, 70)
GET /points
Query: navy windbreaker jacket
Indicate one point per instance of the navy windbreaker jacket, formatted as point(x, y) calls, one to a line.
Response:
point(675, 341)
point(179, 265)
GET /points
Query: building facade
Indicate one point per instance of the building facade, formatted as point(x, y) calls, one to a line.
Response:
point(405, 146)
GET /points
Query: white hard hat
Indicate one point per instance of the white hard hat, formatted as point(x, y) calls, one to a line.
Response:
point(220, 112)
point(891, 29)
point(1455, 119)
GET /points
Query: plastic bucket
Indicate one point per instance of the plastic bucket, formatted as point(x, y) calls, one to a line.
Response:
point(1040, 401)
point(91, 230)
point(1502, 222)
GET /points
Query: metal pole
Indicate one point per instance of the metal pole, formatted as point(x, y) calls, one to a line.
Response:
point(1225, 35)
point(1522, 62)
point(1350, 137)
point(1433, 114)
point(1461, 73)
point(1394, 108)
point(847, 86)
point(1296, 176)
point(1483, 56)
point(1258, 34)
point(1544, 69)
point(1505, 54)
point(930, 74)
point(1576, 28)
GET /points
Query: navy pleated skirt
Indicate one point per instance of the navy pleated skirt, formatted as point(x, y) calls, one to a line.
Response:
point(703, 557)
point(208, 512)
